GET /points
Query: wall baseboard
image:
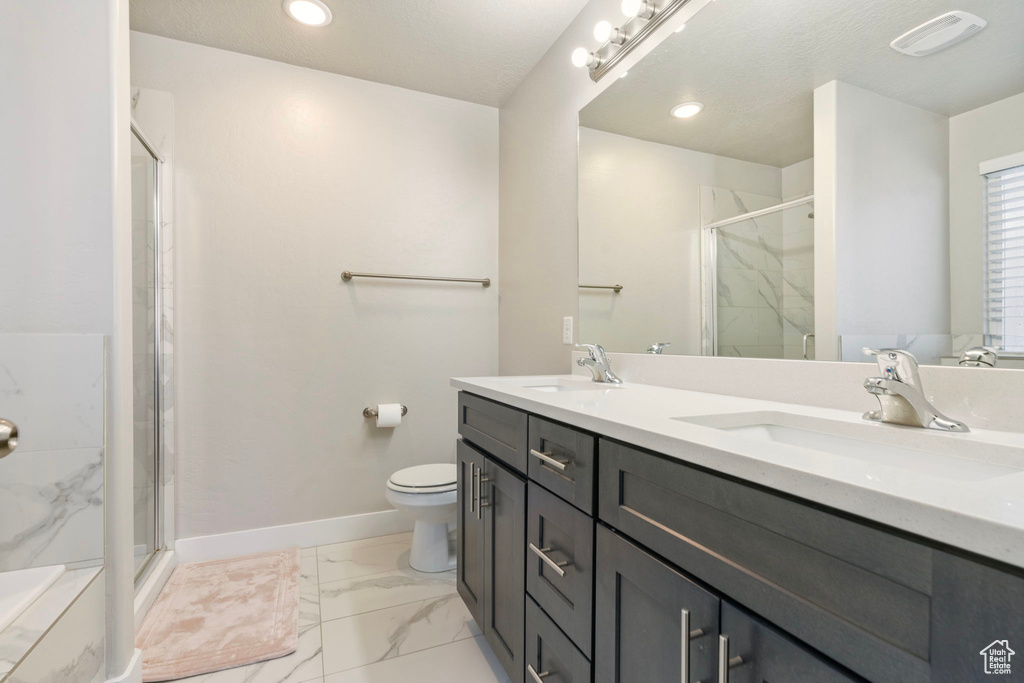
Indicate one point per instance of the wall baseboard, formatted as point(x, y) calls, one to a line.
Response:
point(303, 534)
point(133, 674)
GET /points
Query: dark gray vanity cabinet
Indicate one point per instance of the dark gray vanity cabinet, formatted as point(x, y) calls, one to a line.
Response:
point(638, 567)
point(491, 535)
point(751, 651)
point(651, 622)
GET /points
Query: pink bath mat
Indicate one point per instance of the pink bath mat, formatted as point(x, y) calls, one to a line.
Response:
point(222, 614)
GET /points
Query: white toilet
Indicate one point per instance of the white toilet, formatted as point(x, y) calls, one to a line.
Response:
point(428, 494)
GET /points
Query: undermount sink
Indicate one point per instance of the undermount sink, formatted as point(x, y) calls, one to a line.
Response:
point(932, 453)
point(568, 385)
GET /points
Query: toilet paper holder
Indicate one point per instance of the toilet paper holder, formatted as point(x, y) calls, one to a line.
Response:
point(372, 412)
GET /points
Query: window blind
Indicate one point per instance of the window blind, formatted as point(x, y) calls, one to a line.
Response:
point(1004, 259)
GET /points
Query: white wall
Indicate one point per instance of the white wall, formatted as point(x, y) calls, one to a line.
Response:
point(983, 134)
point(886, 168)
point(285, 177)
point(639, 226)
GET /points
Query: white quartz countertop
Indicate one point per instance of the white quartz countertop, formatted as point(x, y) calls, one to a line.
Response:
point(984, 515)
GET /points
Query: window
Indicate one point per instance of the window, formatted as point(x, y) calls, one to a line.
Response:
point(1004, 257)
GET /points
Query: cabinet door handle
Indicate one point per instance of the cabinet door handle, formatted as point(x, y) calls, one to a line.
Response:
point(724, 661)
point(686, 634)
point(546, 458)
point(474, 494)
point(542, 554)
point(480, 502)
point(536, 676)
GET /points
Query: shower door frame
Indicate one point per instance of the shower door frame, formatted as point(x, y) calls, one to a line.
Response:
point(158, 455)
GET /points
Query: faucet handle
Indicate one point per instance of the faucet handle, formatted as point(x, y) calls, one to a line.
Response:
point(896, 364)
point(596, 351)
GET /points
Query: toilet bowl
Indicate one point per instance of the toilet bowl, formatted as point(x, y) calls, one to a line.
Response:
point(428, 494)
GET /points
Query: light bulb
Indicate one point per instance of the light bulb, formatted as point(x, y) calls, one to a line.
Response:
point(687, 110)
point(308, 12)
point(631, 8)
point(580, 56)
point(603, 31)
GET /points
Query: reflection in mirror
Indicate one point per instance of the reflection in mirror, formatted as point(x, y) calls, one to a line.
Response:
point(833, 192)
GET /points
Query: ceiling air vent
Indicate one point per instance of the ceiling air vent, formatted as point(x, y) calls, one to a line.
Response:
point(939, 33)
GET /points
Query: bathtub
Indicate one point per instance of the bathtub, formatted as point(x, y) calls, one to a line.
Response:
point(19, 589)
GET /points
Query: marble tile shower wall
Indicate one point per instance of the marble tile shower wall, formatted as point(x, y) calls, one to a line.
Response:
point(153, 111)
point(51, 487)
point(749, 273)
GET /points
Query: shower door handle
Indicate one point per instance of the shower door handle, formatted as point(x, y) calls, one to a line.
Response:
point(8, 437)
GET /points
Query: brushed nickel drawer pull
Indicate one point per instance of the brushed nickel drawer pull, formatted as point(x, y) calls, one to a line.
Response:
point(724, 661)
point(537, 676)
point(546, 458)
point(542, 554)
point(473, 495)
point(480, 502)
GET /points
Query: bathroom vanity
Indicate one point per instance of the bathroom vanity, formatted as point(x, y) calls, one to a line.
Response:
point(638, 533)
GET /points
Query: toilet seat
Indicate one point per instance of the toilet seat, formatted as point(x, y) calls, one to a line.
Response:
point(421, 479)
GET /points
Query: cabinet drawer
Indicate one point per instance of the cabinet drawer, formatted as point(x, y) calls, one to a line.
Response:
point(496, 428)
point(761, 654)
point(562, 460)
point(858, 594)
point(551, 656)
point(646, 613)
point(560, 563)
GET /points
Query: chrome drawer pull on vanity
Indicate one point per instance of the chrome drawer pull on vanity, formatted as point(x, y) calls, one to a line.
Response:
point(546, 458)
point(536, 676)
point(724, 661)
point(542, 554)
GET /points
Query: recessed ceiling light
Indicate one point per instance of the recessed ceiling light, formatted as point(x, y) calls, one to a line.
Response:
point(681, 27)
point(624, 74)
point(687, 109)
point(308, 12)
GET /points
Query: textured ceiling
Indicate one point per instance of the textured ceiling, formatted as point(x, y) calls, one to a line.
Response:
point(754, 64)
point(476, 50)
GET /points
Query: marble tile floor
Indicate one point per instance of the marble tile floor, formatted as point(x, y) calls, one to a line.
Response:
point(366, 617)
point(19, 637)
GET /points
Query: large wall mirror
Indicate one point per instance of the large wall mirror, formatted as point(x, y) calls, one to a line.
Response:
point(797, 179)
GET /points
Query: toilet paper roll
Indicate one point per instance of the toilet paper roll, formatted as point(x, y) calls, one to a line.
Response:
point(389, 415)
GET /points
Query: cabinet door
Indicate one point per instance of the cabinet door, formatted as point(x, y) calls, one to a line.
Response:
point(470, 580)
point(641, 608)
point(751, 651)
point(504, 506)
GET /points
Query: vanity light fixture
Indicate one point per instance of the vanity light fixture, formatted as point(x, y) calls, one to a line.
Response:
point(687, 110)
point(308, 12)
point(643, 18)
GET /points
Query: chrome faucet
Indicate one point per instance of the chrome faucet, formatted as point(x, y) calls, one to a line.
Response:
point(900, 397)
point(598, 363)
point(980, 357)
point(658, 348)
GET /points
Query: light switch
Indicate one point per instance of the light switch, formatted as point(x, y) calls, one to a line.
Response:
point(567, 330)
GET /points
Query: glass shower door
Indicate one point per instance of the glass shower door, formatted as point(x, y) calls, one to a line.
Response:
point(145, 349)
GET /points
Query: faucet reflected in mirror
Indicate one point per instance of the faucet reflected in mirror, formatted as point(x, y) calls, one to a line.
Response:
point(900, 397)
